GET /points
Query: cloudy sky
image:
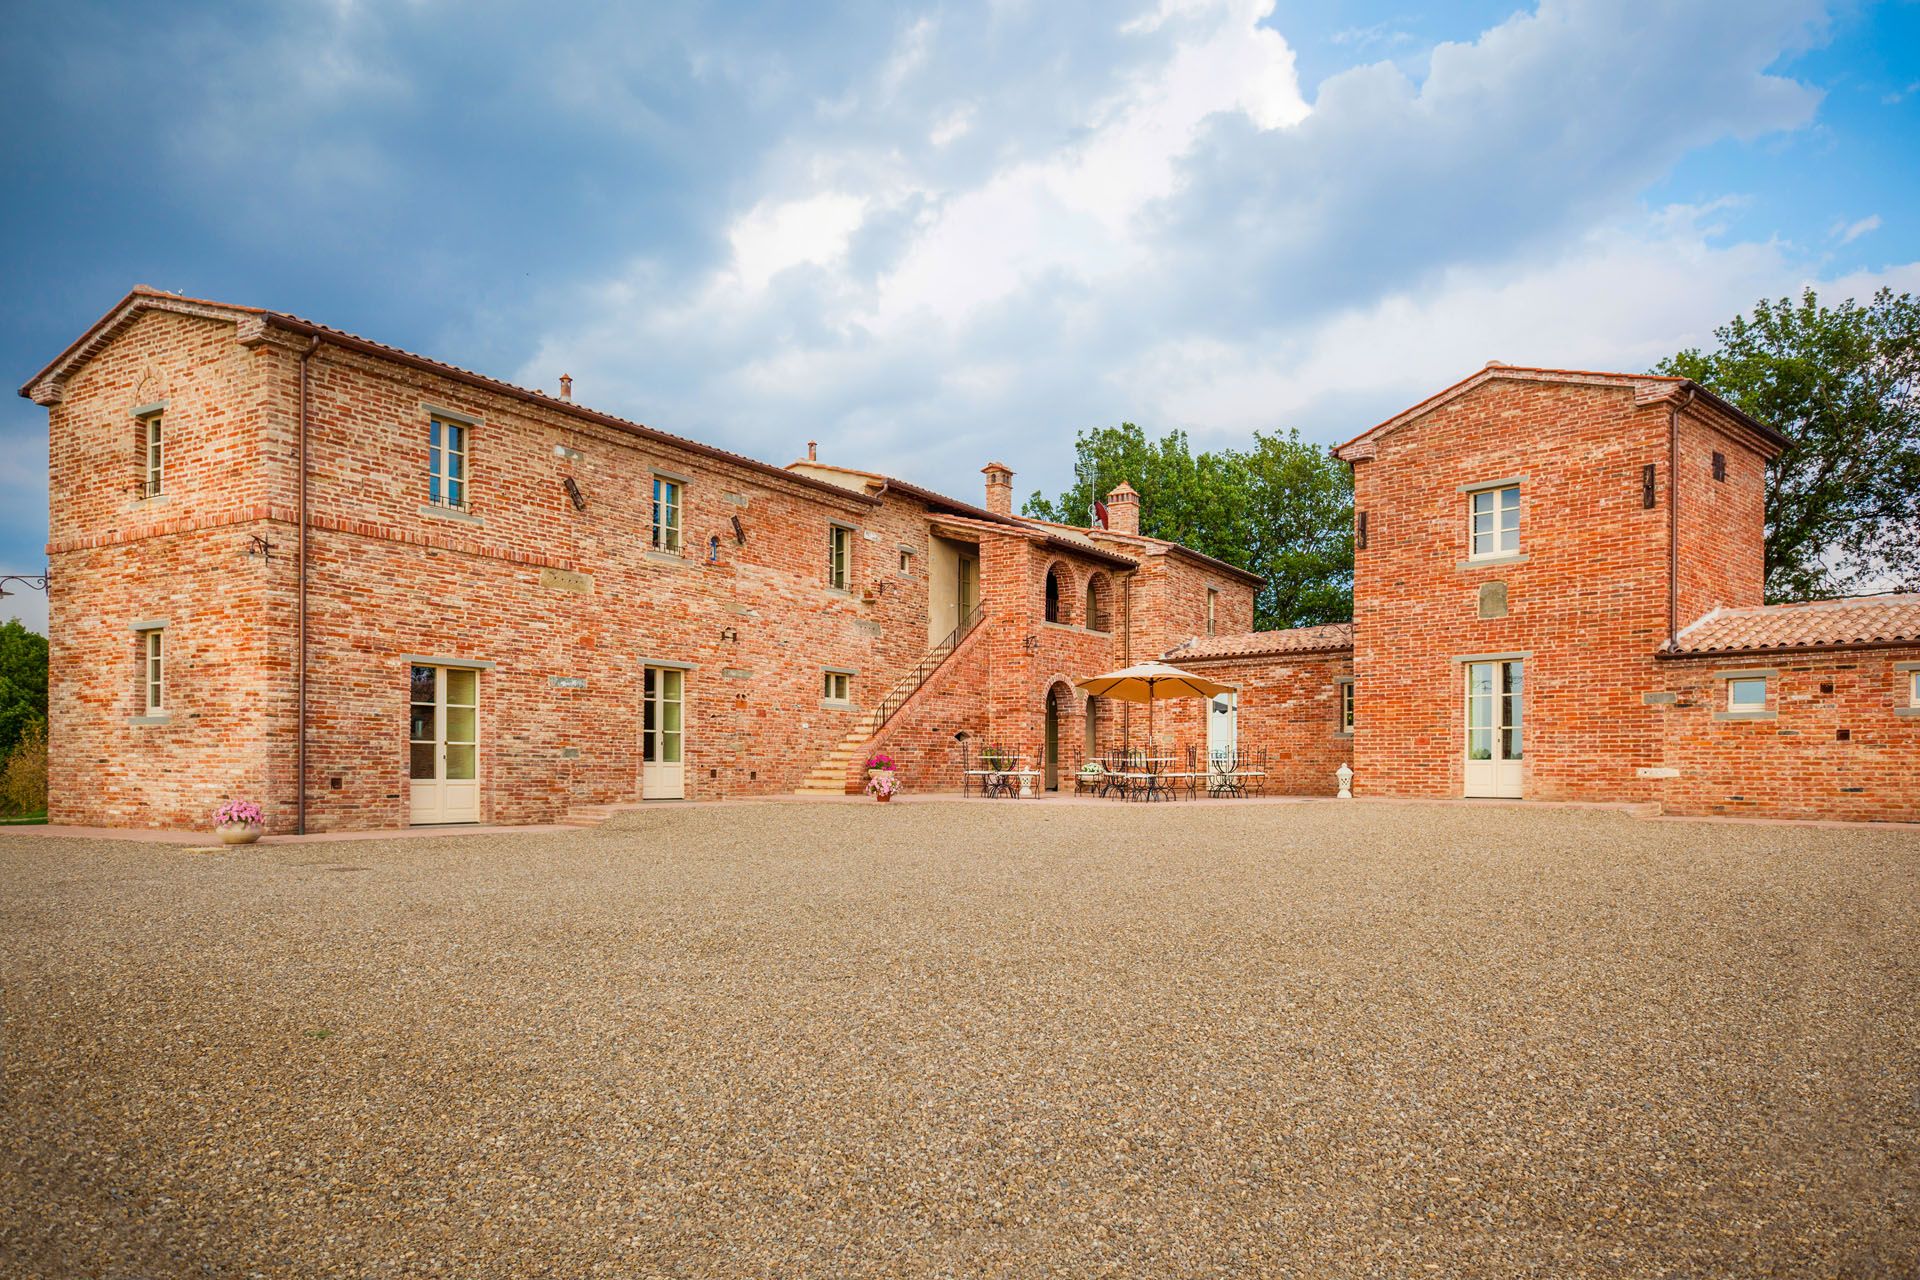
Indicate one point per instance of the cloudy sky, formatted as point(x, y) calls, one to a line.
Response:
point(927, 235)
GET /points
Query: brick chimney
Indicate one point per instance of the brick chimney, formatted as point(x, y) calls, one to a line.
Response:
point(999, 488)
point(1123, 509)
point(566, 386)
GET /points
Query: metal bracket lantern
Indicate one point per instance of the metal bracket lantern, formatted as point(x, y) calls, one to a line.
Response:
point(36, 581)
point(574, 495)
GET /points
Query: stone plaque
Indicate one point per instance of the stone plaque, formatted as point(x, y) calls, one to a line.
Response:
point(1493, 600)
point(567, 580)
point(567, 682)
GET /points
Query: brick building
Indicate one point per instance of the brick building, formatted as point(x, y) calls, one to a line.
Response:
point(281, 552)
point(368, 588)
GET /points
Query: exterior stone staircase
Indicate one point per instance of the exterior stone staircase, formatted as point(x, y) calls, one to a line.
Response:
point(829, 776)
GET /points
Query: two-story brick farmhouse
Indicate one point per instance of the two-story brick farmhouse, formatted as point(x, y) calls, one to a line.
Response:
point(1558, 595)
point(282, 552)
point(369, 589)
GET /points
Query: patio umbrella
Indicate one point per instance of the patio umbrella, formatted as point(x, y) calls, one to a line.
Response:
point(1149, 682)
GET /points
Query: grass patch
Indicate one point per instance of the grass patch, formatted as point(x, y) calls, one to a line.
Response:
point(26, 820)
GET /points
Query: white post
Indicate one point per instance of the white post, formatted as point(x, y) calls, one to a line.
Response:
point(1344, 775)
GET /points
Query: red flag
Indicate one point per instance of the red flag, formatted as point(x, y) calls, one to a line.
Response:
point(1099, 514)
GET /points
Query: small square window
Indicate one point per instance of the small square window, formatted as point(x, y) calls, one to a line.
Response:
point(666, 514)
point(1493, 522)
point(838, 687)
point(906, 562)
point(1747, 693)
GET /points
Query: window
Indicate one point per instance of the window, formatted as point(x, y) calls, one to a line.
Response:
point(666, 515)
point(1095, 621)
point(150, 455)
point(839, 687)
point(1748, 693)
point(1719, 466)
point(1346, 706)
point(1213, 608)
point(1053, 595)
point(152, 671)
point(1495, 522)
point(839, 556)
point(446, 463)
point(1913, 688)
point(906, 561)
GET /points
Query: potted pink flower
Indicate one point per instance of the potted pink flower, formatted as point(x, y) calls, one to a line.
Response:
point(882, 784)
point(239, 822)
point(880, 761)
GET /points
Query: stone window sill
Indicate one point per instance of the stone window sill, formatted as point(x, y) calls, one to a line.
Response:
point(460, 514)
point(1906, 711)
point(1489, 562)
point(1746, 715)
point(667, 557)
point(158, 717)
point(831, 704)
point(1343, 733)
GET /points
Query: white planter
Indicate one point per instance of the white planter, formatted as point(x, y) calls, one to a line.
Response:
point(239, 832)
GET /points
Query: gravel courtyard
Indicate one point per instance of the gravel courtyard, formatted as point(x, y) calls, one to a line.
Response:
point(939, 1039)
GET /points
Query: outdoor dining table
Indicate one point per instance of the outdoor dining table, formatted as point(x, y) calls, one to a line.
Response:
point(1008, 783)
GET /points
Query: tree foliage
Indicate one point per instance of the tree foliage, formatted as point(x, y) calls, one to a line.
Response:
point(1282, 509)
point(1843, 502)
point(23, 683)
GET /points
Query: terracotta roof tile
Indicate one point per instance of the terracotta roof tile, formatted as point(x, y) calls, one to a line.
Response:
point(1814, 624)
point(1329, 638)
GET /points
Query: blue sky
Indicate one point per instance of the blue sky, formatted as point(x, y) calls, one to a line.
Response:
point(932, 235)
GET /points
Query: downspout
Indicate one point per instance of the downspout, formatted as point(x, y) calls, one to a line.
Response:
point(300, 664)
point(1673, 515)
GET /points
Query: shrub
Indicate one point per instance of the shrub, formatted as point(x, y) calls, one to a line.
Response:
point(23, 782)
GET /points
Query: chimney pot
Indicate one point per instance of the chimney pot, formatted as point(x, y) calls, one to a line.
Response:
point(813, 451)
point(566, 386)
point(999, 488)
point(1123, 509)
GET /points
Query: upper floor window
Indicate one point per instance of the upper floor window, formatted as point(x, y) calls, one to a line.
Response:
point(446, 462)
point(666, 514)
point(1494, 523)
point(1346, 706)
point(1913, 688)
point(838, 686)
point(150, 454)
point(1748, 693)
point(1096, 619)
point(839, 556)
point(152, 671)
point(906, 560)
point(1213, 609)
point(1053, 595)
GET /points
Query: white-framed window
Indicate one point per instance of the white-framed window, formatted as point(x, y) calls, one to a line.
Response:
point(152, 472)
point(1213, 608)
point(1493, 522)
point(153, 676)
point(1346, 706)
point(839, 556)
point(1747, 693)
point(1913, 688)
point(906, 560)
point(838, 686)
point(666, 514)
point(446, 462)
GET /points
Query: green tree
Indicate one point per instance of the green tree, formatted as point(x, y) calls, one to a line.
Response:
point(1843, 501)
point(1283, 509)
point(23, 683)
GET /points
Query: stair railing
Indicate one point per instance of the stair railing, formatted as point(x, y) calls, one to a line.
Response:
point(910, 683)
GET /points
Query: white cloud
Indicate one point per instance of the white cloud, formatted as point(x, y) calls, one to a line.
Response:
point(1208, 249)
point(1847, 232)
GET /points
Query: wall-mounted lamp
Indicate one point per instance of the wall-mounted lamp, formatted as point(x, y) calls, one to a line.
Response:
point(730, 634)
point(37, 581)
point(259, 547)
point(574, 495)
point(739, 532)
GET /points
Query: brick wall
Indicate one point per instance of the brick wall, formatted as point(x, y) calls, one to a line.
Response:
point(1795, 764)
point(1289, 708)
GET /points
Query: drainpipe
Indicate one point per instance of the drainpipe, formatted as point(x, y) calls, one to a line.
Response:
point(300, 665)
point(1673, 515)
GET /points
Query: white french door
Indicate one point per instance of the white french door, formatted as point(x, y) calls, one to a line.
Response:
point(1494, 756)
point(443, 745)
point(662, 718)
point(1223, 726)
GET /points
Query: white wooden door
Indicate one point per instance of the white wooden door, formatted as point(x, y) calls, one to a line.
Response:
point(443, 745)
point(662, 718)
point(1223, 726)
point(1493, 713)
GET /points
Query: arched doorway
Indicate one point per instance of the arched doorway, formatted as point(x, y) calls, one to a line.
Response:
point(1051, 767)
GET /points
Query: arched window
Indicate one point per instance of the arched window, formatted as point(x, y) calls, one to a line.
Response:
point(1053, 595)
point(1098, 587)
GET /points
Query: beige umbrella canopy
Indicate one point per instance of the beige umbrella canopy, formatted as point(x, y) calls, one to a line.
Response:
point(1149, 682)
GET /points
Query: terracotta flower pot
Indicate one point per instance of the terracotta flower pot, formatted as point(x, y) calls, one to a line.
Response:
point(883, 797)
point(239, 832)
